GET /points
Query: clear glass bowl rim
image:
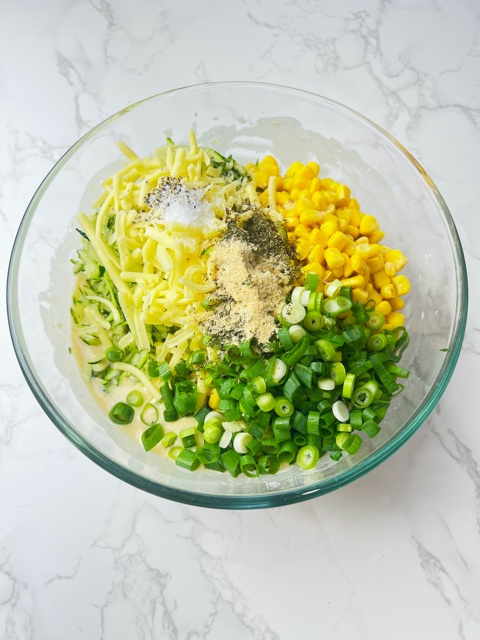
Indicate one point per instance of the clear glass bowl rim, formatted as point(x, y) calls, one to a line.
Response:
point(248, 501)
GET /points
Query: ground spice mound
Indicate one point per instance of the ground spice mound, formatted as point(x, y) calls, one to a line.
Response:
point(253, 272)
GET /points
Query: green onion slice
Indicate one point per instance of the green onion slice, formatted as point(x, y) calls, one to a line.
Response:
point(307, 457)
point(121, 413)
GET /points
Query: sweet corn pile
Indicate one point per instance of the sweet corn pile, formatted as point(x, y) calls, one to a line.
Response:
point(333, 237)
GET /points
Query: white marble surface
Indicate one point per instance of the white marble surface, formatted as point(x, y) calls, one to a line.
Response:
point(394, 556)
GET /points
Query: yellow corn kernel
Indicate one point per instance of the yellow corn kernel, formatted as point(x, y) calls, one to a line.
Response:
point(306, 172)
point(338, 240)
point(261, 179)
point(352, 231)
point(293, 169)
point(264, 198)
point(315, 185)
point(397, 257)
point(330, 216)
point(281, 196)
point(292, 238)
point(380, 278)
point(319, 237)
point(287, 184)
point(279, 185)
point(302, 231)
point(343, 214)
point(359, 295)
point(305, 193)
point(329, 184)
point(327, 276)
point(347, 267)
point(358, 263)
point(338, 272)
point(355, 215)
point(357, 282)
point(311, 216)
point(292, 222)
point(334, 258)
point(329, 227)
point(289, 205)
point(320, 201)
point(302, 183)
point(315, 167)
point(303, 248)
point(316, 254)
point(397, 303)
point(214, 399)
point(375, 264)
point(316, 268)
point(375, 250)
point(294, 193)
point(353, 204)
point(383, 307)
point(374, 295)
point(272, 165)
point(343, 195)
point(395, 319)
point(349, 247)
point(390, 270)
point(402, 285)
point(376, 236)
point(368, 225)
point(362, 249)
point(388, 291)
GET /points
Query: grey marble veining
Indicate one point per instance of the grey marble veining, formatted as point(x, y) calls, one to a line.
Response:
point(395, 555)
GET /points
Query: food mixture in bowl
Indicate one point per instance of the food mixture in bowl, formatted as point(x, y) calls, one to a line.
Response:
point(236, 319)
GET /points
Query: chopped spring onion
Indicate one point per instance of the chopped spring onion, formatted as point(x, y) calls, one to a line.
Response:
point(152, 436)
point(231, 462)
point(212, 430)
point(296, 332)
point(348, 385)
point(311, 281)
point(248, 466)
point(208, 453)
point(296, 295)
point(326, 384)
point(149, 414)
point(225, 439)
point(338, 372)
point(332, 288)
point(340, 411)
point(325, 349)
point(135, 398)
point(259, 385)
point(293, 313)
point(168, 439)
point(174, 452)
point(187, 437)
point(279, 370)
point(187, 459)
point(307, 457)
point(266, 402)
point(362, 397)
point(283, 407)
point(375, 321)
point(314, 321)
point(377, 342)
point(241, 440)
point(335, 306)
point(305, 297)
point(121, 413)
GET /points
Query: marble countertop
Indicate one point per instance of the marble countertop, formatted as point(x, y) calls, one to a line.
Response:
point(396, 555)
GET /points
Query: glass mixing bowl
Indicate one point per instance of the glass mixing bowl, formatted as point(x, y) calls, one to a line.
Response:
point(247, 120)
